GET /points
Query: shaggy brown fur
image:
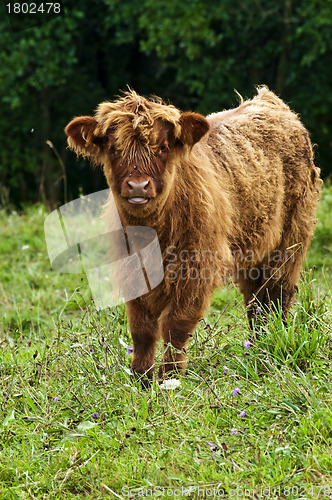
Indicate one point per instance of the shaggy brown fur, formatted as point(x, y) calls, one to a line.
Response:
point(234, 193)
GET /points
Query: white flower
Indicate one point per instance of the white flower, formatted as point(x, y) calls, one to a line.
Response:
point(170, 384)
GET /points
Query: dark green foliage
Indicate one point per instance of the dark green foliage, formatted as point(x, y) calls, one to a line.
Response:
point(193, 53)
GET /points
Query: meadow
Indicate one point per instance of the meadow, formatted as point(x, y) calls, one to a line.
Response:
point(250, 419)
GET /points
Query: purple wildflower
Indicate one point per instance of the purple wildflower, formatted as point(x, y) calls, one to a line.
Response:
point(233, 431)
point(130, 350)
point(213, 446)
point(246, 344)
point(236, 391)
point(56, 399)
point(92, 351)
point(242, 414)
point(225, 369)
point(95, 415)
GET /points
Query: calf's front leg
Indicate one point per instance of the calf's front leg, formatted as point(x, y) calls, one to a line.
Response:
point(145, 334)
point(175, 334)
point(178, 322)
point(177, 327)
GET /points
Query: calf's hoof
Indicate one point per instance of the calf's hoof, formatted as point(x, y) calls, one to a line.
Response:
point(144, 377)
point(173, 366)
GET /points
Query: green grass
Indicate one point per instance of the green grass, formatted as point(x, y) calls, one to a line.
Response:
point(76, 424)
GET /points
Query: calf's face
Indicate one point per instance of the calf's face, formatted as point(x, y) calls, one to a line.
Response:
point(137, 171)
point(138, 147)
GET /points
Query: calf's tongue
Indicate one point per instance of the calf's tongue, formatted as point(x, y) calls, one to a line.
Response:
point(137, 200)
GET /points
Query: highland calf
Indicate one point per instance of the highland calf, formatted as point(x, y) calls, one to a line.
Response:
point(231, 194)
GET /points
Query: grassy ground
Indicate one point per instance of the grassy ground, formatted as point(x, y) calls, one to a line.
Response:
point(74, 423)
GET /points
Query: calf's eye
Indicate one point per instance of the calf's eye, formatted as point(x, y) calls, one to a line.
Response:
point(163, 149)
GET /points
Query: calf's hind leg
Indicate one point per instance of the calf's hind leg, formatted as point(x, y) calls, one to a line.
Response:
point(284, 264)
point(275, 284)
point(286, 274)
point(251, 286)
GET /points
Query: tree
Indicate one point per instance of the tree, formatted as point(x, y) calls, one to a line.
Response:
point(193, 53)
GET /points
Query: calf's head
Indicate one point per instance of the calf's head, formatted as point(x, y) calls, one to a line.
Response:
point(139, 143)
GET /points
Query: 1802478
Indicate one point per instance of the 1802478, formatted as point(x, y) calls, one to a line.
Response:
point(33, 8)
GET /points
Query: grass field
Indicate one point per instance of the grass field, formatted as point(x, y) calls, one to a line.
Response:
point(76, 424)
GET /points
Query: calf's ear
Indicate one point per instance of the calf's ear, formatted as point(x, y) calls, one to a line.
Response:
point(193, 127)
point(85, 136)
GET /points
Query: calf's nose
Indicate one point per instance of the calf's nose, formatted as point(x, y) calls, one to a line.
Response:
point(138, 186)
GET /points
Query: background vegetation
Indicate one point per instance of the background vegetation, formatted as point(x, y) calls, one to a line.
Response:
point(193, 53)
point(74, 422)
